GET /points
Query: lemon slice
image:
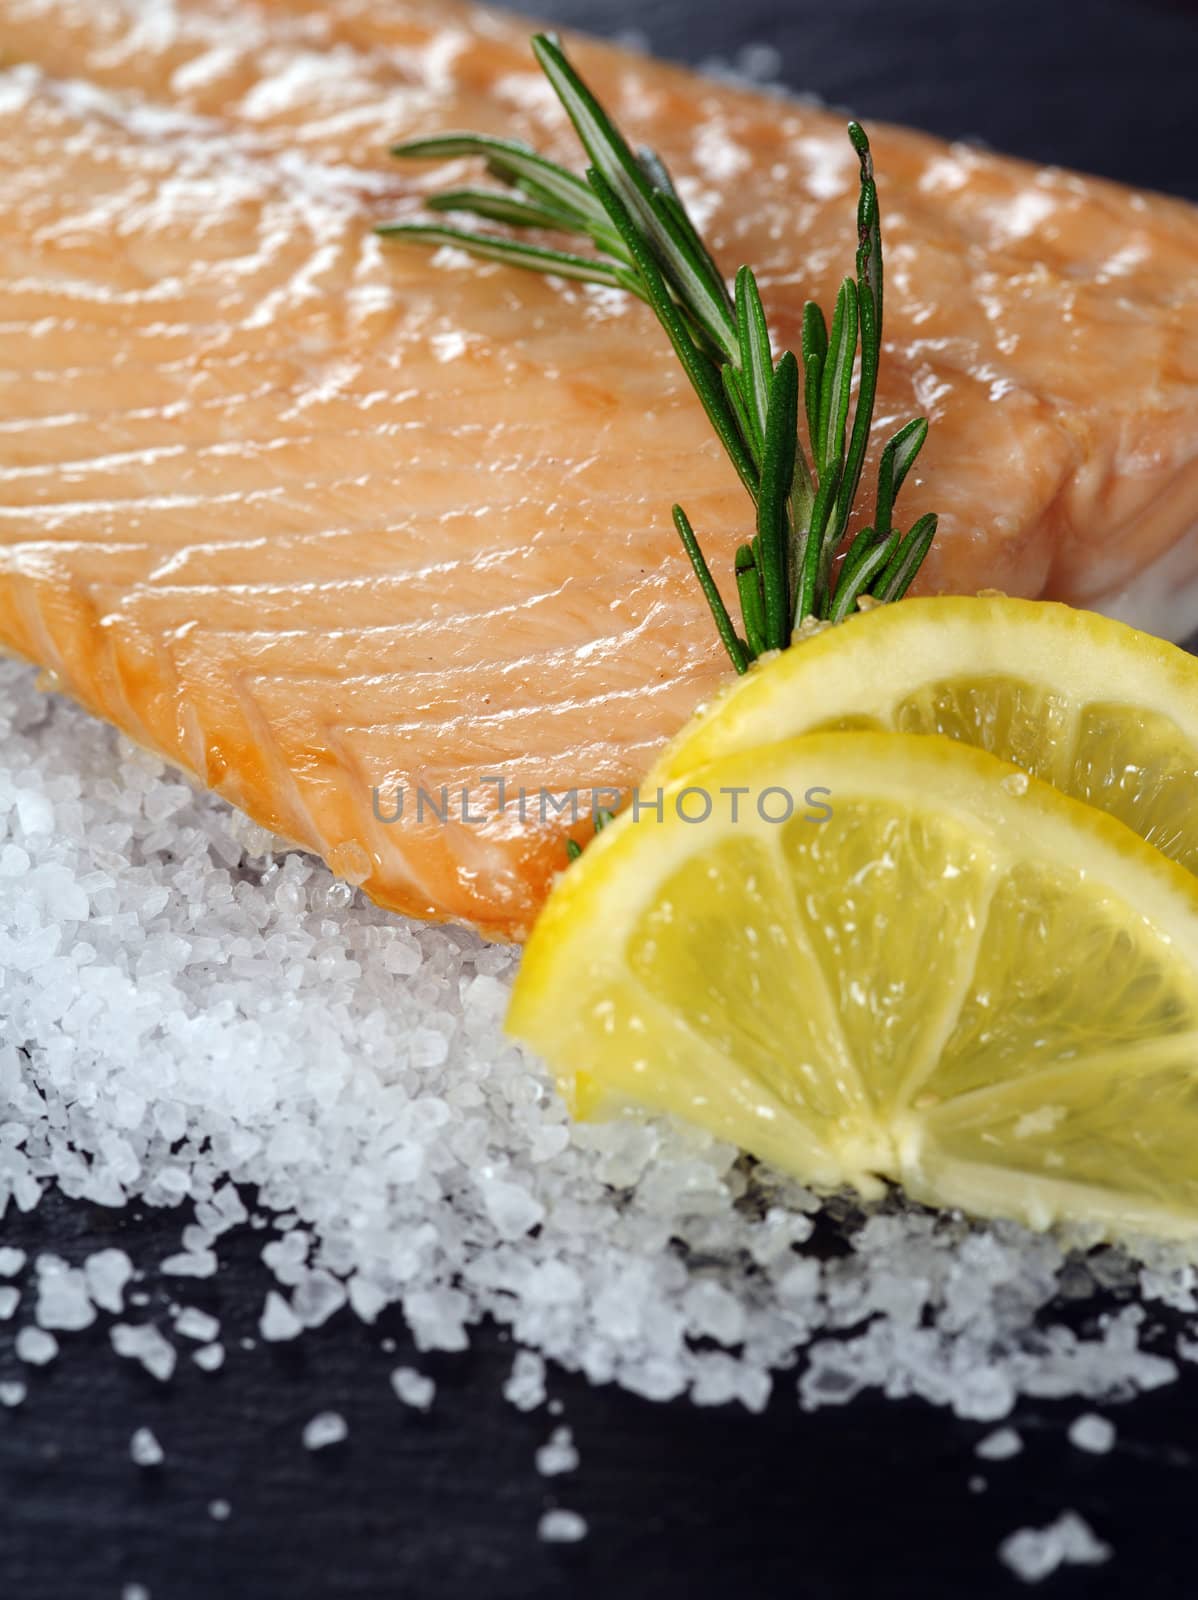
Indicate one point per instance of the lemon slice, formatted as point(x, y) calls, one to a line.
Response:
point(1093, 707)
point(961, 980)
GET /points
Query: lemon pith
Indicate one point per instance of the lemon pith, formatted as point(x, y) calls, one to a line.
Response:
point(963, 981)
point(1098, 709)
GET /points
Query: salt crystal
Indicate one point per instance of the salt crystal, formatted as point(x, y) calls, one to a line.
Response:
point(14, 862)
point(712, 1311)
point(525, 1388)
point(135, 1591)
point(561, 1527)
point(12, 1392)
point(278, 1320)
point(427, 1048)
point(144, 1343)
point(36, 1347)
point(189, 1264)
point(11, 1261)
point(107, 1273)
point(210, 1357)
point(367, 1299)
point(1000, 1445)
point(326, 1428)
point(63, 1301)
point(559, 1455)
point(1092, 1432)
point(317, 1296)
point(413, 1388)
point(192, 1323)
point(145, 1449)
point(510, 1207)
point(10, 1299)
point(219, 1510)
point(1035, 1553)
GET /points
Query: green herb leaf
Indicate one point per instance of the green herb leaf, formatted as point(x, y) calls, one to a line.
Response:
point(490, 247)
point(689, 270)
point(777, 476)
point(501, 205)
point(506, 157)
point(893, 467)
point(837, 379)
point(756, 361)
point(897, 578)
point(866, 558)
point(815, 350)
point(752, 606)
point(707, 583)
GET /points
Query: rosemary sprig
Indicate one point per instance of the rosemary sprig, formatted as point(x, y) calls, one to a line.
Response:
point(644, 241)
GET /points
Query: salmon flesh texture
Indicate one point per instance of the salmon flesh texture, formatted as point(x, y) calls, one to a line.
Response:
point(328, 521)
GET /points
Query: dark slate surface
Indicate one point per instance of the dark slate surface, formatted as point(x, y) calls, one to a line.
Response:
point(874, 1498)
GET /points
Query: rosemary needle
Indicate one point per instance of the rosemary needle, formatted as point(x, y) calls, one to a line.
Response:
point(644, 241)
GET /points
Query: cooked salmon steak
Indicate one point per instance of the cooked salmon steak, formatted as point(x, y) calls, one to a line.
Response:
point(352, 531)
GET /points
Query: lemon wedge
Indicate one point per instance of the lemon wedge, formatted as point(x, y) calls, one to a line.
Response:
point(1095, 708)
point(960, 980)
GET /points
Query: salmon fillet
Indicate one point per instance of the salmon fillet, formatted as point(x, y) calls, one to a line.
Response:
point(327, 521)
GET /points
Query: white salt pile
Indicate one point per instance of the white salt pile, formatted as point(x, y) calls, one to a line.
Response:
point(186, 1017)
point(1035, 1553)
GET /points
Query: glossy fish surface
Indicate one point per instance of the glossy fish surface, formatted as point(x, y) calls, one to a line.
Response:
point(371, 539)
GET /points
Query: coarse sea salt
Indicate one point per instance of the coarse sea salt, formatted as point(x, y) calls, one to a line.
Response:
point(1000, 1445)
point(193, 1323)
point(413, 1388)
point(1035, 1553)
point(144, 1343)
point(324, 1429)
point(145, 1450)
point(558, 1455)
point(1093, 1433)
point(217, 1012)
point(561, 1527)
point(35, 1347)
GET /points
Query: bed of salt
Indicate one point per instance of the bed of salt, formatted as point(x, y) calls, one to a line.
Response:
point(190, 1013)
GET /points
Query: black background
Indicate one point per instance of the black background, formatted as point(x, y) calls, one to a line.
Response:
point(872, 1498)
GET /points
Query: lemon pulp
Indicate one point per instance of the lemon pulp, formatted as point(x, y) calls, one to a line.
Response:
point(962, 981)
point(1096, 708)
